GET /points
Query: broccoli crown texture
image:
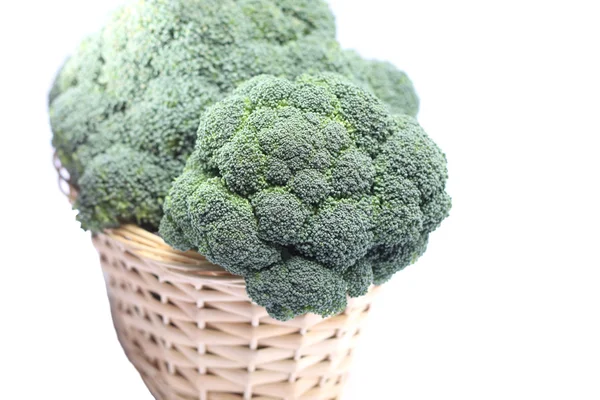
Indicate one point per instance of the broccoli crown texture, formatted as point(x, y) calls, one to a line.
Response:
point(145, 79)
point(310, 189)
point(124, 182)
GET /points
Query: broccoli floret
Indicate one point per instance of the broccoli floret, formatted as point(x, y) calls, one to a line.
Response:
point(122, 182)
point(76, 115)
point(389, 84)
point(387, 260)
point(338, 235)
point(297, 286)
point(311, 186)
point(352, 174)
point(180, 234)
point(307, 175)
point(84, 67)
point(280, 216)
point(148, 76)
point(165, 121)
point(359, 278)
point(220, 224)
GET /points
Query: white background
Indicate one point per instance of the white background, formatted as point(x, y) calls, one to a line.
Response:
point(504, 305)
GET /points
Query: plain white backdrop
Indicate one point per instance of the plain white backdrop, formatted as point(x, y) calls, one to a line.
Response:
point(504, 305)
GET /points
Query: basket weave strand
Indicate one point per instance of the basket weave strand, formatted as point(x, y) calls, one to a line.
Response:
point(199, 337)
point(192, 333)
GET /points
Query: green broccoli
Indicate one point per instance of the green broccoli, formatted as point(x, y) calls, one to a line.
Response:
point(307, 178)
point(389, 84)
point(297, 286)
point(123, 182)
point(359, 278)
point(146, 78)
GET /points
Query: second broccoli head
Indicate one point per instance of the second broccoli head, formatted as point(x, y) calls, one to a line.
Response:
point(310, 189)
point(145, 79)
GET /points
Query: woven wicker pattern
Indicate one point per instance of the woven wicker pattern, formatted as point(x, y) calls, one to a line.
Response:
point(193, 334)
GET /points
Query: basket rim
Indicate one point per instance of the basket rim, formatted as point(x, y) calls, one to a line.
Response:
point(150, 246)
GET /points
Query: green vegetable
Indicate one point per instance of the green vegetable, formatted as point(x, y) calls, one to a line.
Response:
point(144, 81)
point(123, 182)
point(383, 79)
point(310, 189)
point(297, 286)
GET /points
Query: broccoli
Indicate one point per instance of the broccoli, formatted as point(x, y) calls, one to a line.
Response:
point(297, 286)
point(359, 278)
point(311, 189)
point(144, 81)
point(389, 84)
point(123, 182)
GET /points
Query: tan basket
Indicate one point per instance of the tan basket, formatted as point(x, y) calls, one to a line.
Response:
point(193, 334)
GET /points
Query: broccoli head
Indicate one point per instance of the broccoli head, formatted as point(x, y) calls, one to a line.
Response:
point(307, 178)
point(145, 79)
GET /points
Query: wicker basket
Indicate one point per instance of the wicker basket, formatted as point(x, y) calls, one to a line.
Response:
point(193, 334)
